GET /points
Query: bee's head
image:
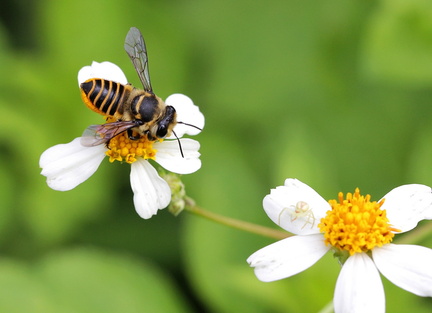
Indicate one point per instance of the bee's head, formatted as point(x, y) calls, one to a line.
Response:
point(165, 126)
point(166, 123)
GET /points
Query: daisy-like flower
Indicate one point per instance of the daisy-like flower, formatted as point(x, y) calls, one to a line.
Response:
point(359, 231)
point(68, 165)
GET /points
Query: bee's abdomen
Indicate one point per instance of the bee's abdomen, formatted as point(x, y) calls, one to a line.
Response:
point(103, 96)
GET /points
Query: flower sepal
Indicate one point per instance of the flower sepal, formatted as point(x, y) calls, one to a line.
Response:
point(178, 192)
point(340, 255)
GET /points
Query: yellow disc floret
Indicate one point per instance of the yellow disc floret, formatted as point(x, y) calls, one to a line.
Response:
point(356, 224)
point(121, 148)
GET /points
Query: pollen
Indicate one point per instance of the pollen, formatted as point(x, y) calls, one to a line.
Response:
point(122, 148)
point(356, 224)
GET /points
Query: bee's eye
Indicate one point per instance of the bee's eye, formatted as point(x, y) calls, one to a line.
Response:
point(162, 131)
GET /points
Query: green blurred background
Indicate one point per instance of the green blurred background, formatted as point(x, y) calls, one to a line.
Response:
point(335, 93)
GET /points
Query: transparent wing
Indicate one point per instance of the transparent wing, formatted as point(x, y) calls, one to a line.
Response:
point(95, 135)
point(136, 49)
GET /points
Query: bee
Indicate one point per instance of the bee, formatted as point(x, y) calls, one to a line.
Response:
point(137, 112)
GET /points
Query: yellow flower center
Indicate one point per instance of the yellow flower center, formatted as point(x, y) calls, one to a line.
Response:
point(121, 148)
point(356, 224)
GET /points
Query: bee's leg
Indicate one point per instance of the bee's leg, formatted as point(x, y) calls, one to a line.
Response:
point(138, 123)
point(131, 136)
point(149, 136)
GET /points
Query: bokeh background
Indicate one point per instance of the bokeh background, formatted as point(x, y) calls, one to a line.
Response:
point(335, 93)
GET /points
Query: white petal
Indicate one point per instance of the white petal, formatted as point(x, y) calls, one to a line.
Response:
point(407, 205)
point(187, 112)
point(407, 266)
point(359, 287)
point(68, 165)
point(282, 201)
point(287, 257)
point(169, 156)
point(151, 192)
point(105, 70)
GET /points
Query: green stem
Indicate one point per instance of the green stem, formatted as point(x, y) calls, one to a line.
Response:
point(238, 224)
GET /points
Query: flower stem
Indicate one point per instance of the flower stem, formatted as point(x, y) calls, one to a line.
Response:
point(234, 223)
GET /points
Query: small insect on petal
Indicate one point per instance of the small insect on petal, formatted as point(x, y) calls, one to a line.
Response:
point(301, 211)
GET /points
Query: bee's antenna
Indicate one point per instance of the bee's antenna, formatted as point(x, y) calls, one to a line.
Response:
point(181, 150)
point(189, 125)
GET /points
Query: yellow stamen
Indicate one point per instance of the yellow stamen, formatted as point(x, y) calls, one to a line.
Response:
point(356, 224)
point(121, 148)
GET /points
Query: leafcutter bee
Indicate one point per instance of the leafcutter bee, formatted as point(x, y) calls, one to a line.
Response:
point(135, 111)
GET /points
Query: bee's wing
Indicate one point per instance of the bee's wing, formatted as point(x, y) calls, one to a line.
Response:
point(136, 49)
point(95, 135)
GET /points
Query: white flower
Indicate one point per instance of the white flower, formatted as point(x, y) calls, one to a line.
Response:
point(68, 165)
point(356, 228)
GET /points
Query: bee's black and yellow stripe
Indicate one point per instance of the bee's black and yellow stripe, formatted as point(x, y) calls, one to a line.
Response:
point(104, 96)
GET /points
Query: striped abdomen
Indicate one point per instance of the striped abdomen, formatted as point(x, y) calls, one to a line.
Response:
point(104, 96)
